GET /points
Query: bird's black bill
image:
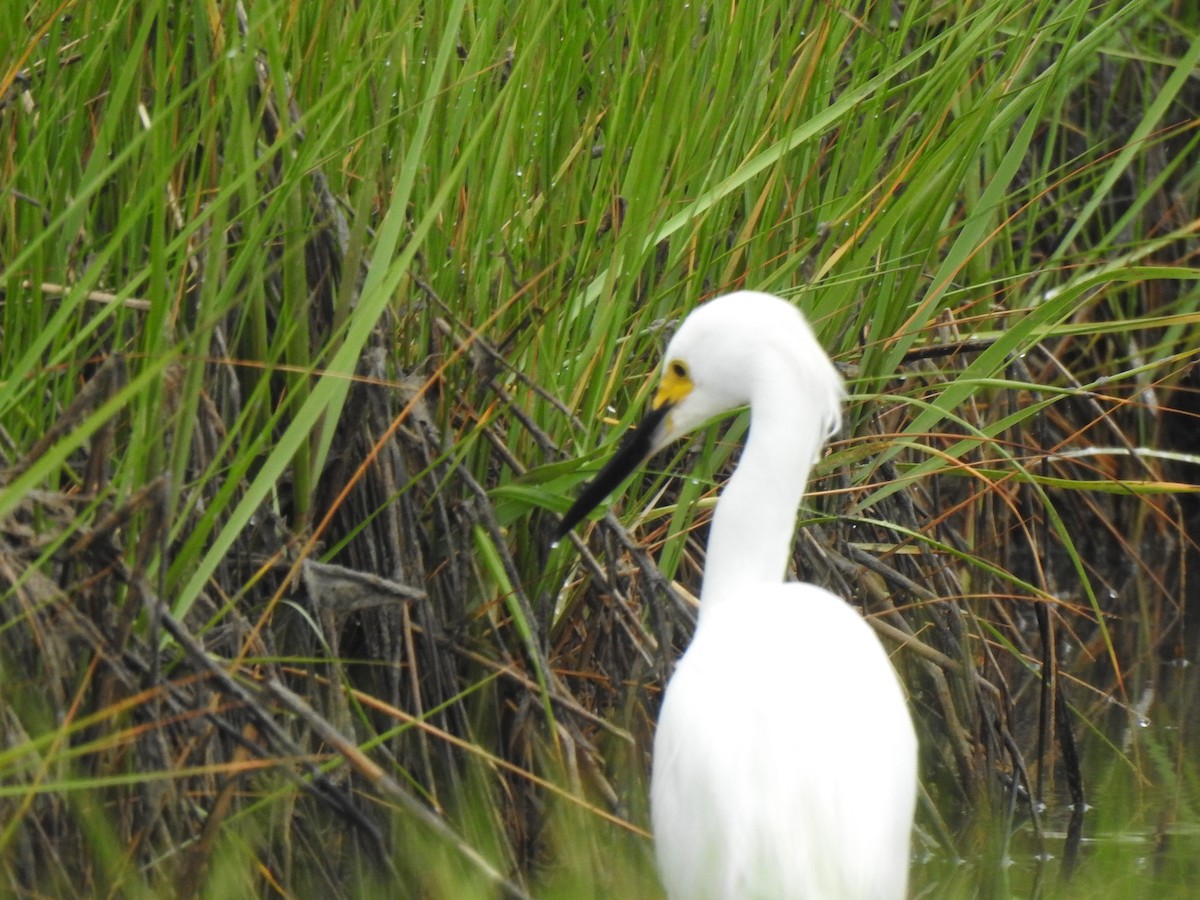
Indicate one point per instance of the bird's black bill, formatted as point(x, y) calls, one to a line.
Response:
point(635, 446)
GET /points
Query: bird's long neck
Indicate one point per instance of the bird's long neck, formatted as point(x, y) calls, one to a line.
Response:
point(750, 538)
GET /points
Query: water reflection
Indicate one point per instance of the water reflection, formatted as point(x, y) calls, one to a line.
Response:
point(1138, 833)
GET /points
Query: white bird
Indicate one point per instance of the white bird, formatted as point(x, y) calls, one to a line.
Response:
point(785, 759)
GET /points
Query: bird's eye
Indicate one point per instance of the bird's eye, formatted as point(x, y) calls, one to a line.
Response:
point(678, 369)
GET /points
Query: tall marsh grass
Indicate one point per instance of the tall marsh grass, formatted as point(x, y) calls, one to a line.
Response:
point(315, 315)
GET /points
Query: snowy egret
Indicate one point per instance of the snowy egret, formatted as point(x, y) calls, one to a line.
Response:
point(785, 760)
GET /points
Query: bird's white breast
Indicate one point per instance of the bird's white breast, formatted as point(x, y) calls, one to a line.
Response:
point(764, 785)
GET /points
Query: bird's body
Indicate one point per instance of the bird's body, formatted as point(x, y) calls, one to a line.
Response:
point(777, 772)
point(785, 756)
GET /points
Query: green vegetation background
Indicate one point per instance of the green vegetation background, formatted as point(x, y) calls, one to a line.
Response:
point(315, 314)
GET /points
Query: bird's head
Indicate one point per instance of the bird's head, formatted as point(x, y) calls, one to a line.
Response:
point(721, 357)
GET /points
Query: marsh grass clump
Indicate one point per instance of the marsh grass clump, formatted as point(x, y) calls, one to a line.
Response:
point(309, 314)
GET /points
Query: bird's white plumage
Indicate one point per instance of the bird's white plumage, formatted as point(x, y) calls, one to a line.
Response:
point(785, 756)
point(784, 759)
